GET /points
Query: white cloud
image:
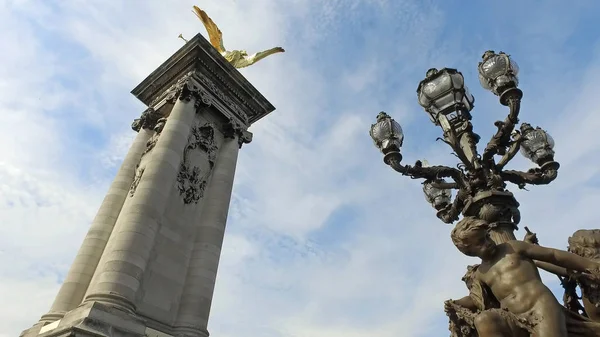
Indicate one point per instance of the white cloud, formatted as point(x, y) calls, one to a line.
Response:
point(291, 265)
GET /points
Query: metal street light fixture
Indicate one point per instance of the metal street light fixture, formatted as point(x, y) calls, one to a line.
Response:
point(435, 193)
point(498, 74)
point(537, 145)
point(447, 100)
point(480, 180)
point(387, 135)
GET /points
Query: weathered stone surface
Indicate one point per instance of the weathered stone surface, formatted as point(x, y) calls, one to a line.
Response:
point(148, 264)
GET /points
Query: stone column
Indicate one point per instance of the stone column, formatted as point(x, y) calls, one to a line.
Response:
point(80, 274)
point(121, 268)
point(196, 298)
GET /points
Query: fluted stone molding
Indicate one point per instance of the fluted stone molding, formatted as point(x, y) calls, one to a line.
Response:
point(117, 279)
point(196, 299)
point(80, 274)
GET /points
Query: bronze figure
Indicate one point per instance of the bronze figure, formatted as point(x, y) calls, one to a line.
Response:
point(518, 303)
point(585, 243)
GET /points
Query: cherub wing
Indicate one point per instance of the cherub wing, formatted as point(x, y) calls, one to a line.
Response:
point(214, 34)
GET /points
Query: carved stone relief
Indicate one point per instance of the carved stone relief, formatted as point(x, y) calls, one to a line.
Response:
point(171, 93)
point(222, 80)
point(152, 141)
point(191, 181)
point(185, 89)
point(147, 120)
point(139, 171)
point(234, 129)
point(234, 107)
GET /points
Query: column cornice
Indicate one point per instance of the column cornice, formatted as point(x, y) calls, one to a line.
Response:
point(214, 72)
point(194, 84)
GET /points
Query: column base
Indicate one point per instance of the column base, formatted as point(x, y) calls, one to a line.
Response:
point(113, 300)
point(91, 320)
point(52, 317)
point(33, 331)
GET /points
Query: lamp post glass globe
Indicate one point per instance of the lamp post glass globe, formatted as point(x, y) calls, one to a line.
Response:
point(437, 197)
point(498, 73)
point(443, 92)
point(537, 145)
point(387, 134)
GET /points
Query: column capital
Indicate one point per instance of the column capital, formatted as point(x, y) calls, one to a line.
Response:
point(244, 138)
point(195, 85)
point(147, 120)
point(185, 89)
point(234, 129)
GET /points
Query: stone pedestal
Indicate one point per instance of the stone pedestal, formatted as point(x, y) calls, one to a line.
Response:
point(148, 265)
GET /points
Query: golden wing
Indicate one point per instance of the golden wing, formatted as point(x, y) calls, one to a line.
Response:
point(214, 34)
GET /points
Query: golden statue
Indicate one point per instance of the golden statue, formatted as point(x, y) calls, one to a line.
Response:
point(237, 58)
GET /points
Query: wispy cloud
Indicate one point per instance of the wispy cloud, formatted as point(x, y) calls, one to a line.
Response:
point(323, 239)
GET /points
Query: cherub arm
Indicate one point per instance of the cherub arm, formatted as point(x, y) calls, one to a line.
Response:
point(553, 269)
point(466, 302)
point(531, 238)
point(556, 257)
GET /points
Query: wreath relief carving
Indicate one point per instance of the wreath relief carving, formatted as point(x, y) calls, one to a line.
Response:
point(191, 181)
point(139, 171)
point(159, 124)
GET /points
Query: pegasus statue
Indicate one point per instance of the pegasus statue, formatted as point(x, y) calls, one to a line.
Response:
point(237, 58)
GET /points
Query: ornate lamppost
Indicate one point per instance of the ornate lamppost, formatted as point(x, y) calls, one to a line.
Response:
point(479, 179)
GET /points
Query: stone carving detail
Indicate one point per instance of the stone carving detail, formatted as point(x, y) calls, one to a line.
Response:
point(191, 184)
point(160, 124)
point(191, 181)
point(171, 93)
point(245, 138)
point(147, 120)
point(136, 180)
point(234, 107)
point(237, 94)
point(234, 129)
point(185, 89)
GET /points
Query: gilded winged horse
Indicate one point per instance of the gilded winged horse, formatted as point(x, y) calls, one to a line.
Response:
point(237, 58)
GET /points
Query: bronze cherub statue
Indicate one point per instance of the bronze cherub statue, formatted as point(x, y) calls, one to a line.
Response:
point(506, 294)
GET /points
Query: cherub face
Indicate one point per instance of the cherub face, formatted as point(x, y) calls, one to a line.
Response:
point(471, 237)
point(484, 246)
point(478, 243)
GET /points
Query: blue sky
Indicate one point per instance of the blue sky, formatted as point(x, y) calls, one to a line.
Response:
point(323, 239)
